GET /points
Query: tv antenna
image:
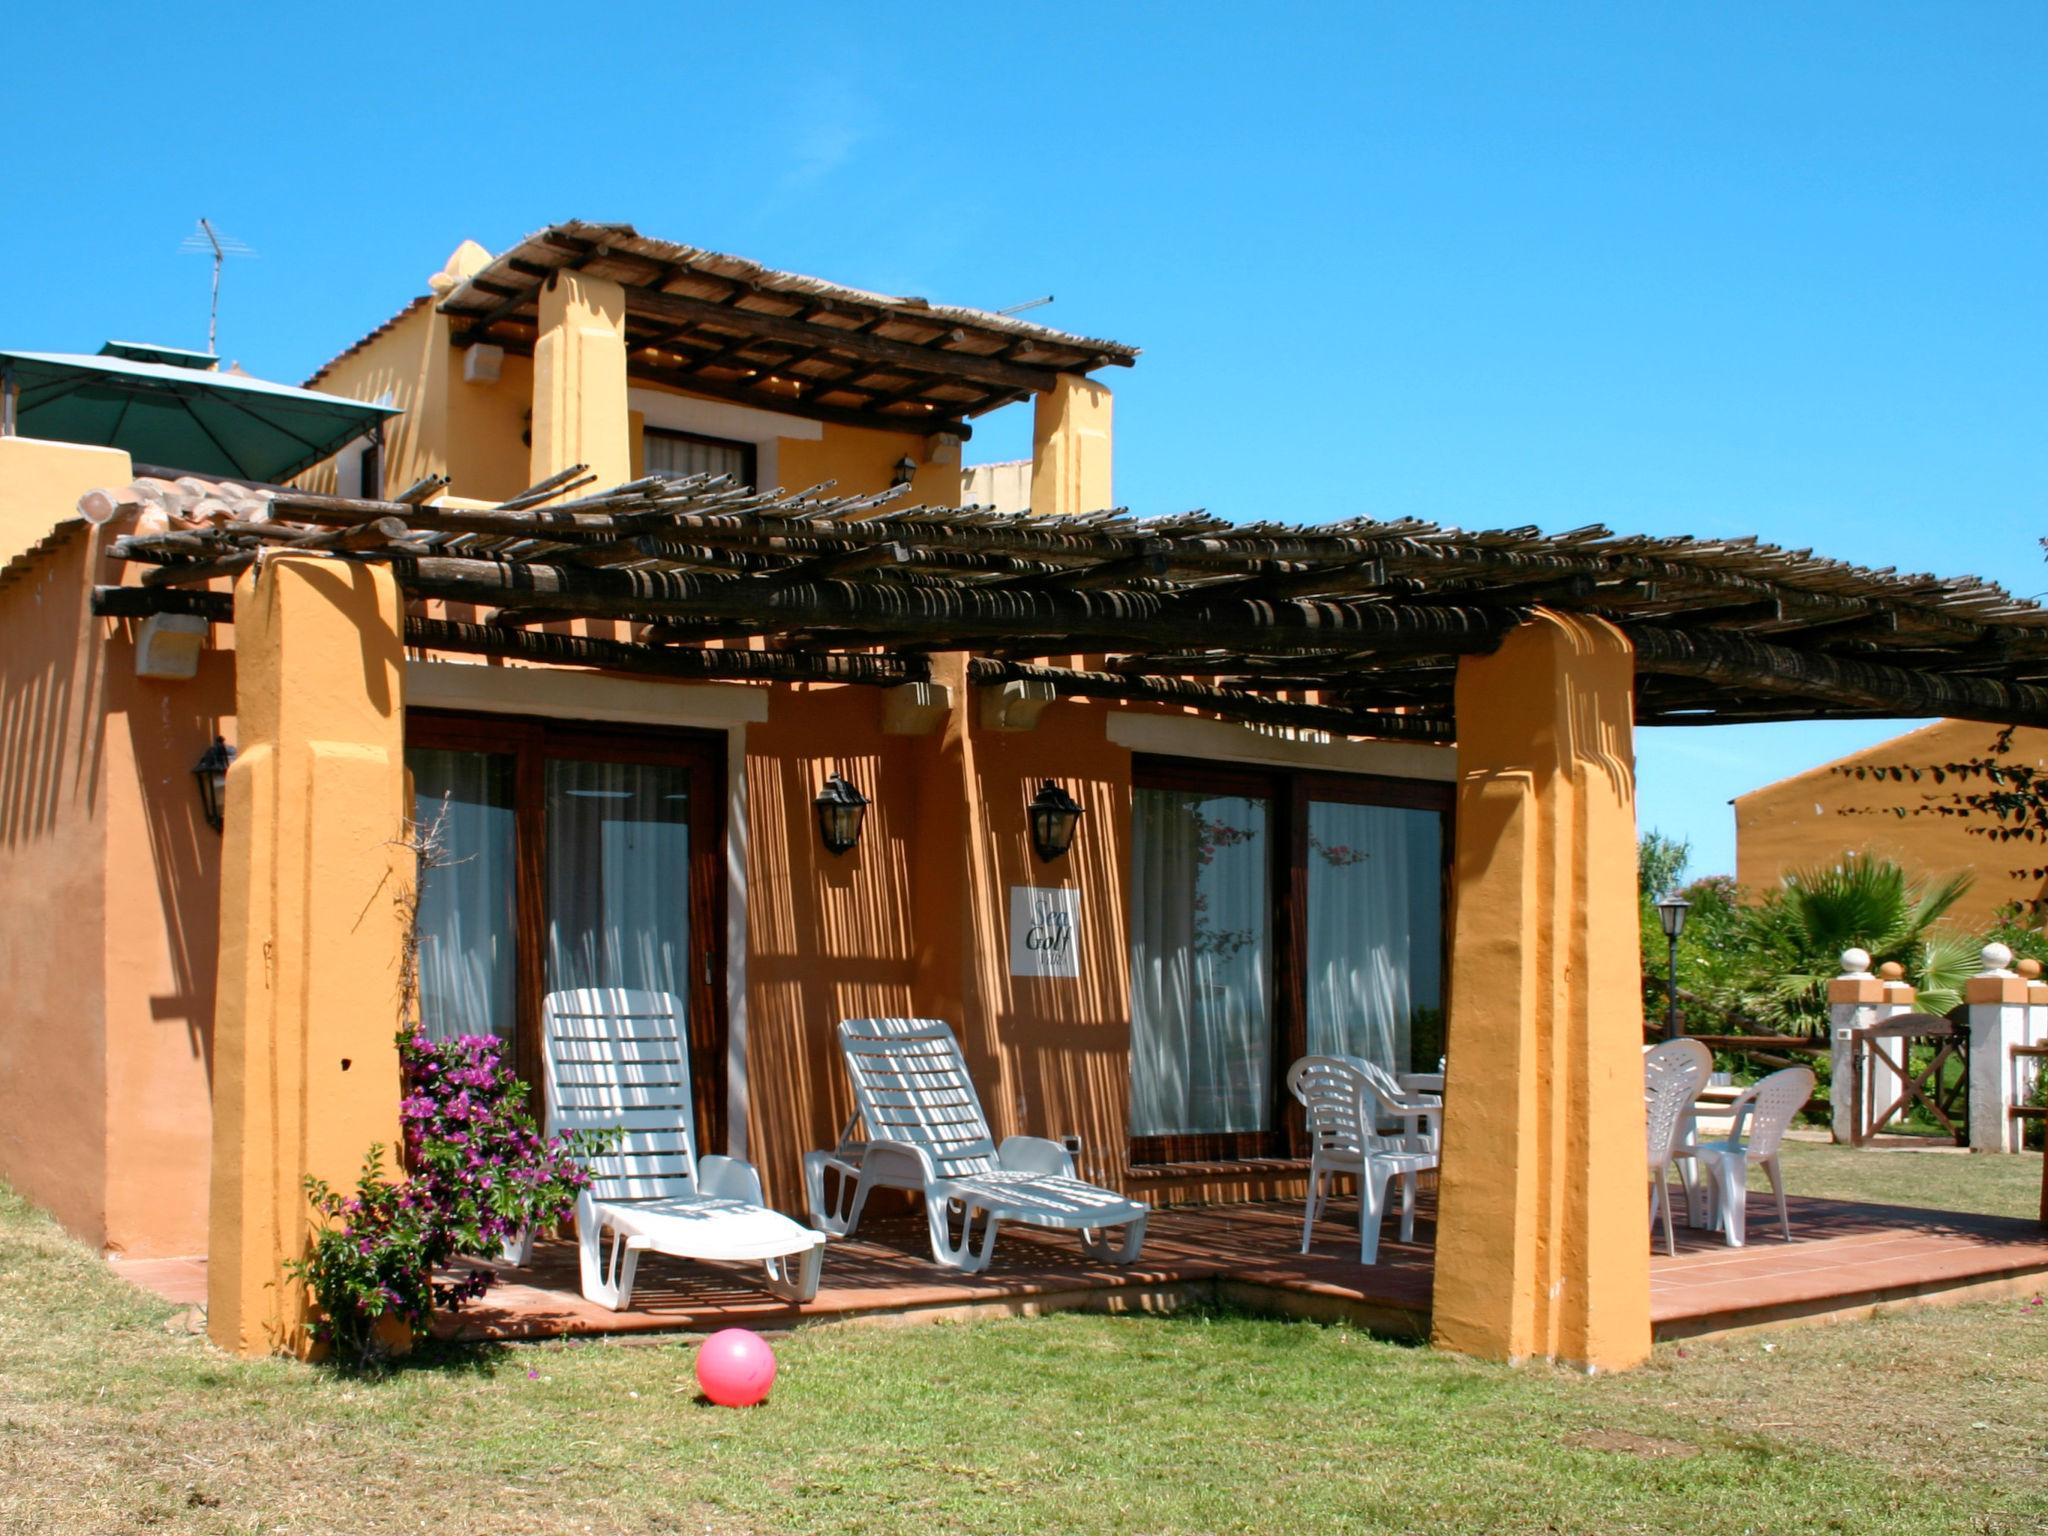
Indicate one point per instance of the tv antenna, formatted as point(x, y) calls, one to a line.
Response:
point(1018, 309)
point(208, 239)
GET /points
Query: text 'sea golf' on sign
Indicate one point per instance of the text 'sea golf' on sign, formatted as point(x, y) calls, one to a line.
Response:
point(1042, 927)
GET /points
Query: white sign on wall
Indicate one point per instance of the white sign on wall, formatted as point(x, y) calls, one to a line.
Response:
point(1043, 927)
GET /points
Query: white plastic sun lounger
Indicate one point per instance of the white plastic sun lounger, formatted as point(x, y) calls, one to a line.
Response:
point(619, 1058)
point(926, 1132)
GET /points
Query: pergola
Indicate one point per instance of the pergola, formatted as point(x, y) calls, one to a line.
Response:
point(1535, 653)
point(731, 329)
point(1353, 628)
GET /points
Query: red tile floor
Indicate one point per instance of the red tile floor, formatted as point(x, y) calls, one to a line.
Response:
point(1844, 1260)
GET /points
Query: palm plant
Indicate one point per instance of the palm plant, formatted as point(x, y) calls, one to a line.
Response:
point(1799, 931)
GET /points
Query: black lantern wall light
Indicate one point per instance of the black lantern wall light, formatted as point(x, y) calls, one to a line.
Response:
point(842, 809)
point(1054, 815)
point(211, 771)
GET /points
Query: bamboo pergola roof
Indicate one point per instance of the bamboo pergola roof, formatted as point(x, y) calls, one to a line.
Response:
point(732, 329)
point(1352, 627)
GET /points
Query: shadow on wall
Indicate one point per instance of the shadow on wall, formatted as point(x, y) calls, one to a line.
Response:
point(50, 736)
point(1065, 1041)
point(168, 726)
point(829, 937)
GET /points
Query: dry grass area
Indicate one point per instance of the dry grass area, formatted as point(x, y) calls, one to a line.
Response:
point(110, 1421)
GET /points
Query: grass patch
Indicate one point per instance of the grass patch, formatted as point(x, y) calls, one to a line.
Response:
point(1211, 1422)
point(1939, 1177)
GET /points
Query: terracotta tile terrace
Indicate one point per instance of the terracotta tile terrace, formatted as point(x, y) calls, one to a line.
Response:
point(1845, 1260)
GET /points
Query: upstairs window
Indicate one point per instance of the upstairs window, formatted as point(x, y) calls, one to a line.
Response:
point(686, 453)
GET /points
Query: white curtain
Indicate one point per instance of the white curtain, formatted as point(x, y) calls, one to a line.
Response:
point(1201, 1023)
point(1375, 928)
point(466, 938)
point(618, 876)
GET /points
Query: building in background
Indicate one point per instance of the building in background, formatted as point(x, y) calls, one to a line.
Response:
point(1818, 817)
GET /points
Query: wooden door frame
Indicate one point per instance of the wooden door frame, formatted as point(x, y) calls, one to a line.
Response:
point(1287, 792)
point(532, 742)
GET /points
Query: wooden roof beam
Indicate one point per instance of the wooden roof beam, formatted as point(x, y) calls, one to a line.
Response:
point(1232, 702)
point(617, 656)
point(1737, 661)
point(861, 344)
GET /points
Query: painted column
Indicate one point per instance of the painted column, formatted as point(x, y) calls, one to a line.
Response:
point(314, 891)
point(1070, 447)
point(1854, 998)
point(579, 380)
point(1998, 998)
point(1542, 1244)
point(2032, 1068)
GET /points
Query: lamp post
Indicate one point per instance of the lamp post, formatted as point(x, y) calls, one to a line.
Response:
point(1671, 913)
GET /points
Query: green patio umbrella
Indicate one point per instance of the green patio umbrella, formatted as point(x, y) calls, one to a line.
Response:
point(169, 407)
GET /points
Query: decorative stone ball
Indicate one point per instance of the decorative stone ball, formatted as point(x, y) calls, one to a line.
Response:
point(1856, 961)
point(1996, 957)
point(2029, 968)
point(735, 1367)
point(1891, 970)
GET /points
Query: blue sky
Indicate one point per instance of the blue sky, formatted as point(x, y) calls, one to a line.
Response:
point(1707, 269)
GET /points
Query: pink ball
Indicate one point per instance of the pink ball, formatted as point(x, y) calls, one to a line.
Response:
point(735, 1367)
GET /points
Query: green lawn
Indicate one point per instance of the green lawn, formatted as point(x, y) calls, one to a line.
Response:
point(1938, 1176)
point(112, 1422)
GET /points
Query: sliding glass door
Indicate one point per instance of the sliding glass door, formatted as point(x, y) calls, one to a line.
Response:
point(1201, 964)
point(569, 856)
point(1375, 933)
point(1275, 914)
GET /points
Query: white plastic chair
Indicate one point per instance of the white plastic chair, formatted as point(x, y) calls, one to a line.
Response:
point(1673, 1074)
point(1767, 1108)
point(1346, 1098)
point(926, 1132)
point(621, 1059)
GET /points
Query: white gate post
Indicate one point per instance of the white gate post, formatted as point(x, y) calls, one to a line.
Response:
point(1998, 999)
point(1853, 1000)
point(1900, 996)
point(2037, 1034)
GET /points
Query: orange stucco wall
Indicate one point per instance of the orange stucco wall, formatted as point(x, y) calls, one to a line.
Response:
point(109, 884)
point(53, 892)
point(1808, 820)
point(469, 432)
point(913, 920)
point(162, 941)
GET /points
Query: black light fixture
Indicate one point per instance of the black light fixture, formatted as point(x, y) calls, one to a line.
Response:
point(906, 470)
point(841, 810)
point(1054, 815)
point(1671, 913)
point(212, 773)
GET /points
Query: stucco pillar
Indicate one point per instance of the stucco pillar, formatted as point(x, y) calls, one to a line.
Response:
point(1070, 447)
point(1543, 1248)
point(579, 380)
point(1854, 1000)
point(1998, 998)
point(312, 921)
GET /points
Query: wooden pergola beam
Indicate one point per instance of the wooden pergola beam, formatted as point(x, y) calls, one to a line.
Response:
point(1738, 661)
point(1116, 621)
point(707, 664)
point(1237, 704)
point(979, 369)
point(146, 602)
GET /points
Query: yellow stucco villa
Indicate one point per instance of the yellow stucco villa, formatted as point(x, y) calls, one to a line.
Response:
point(1362, 787)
